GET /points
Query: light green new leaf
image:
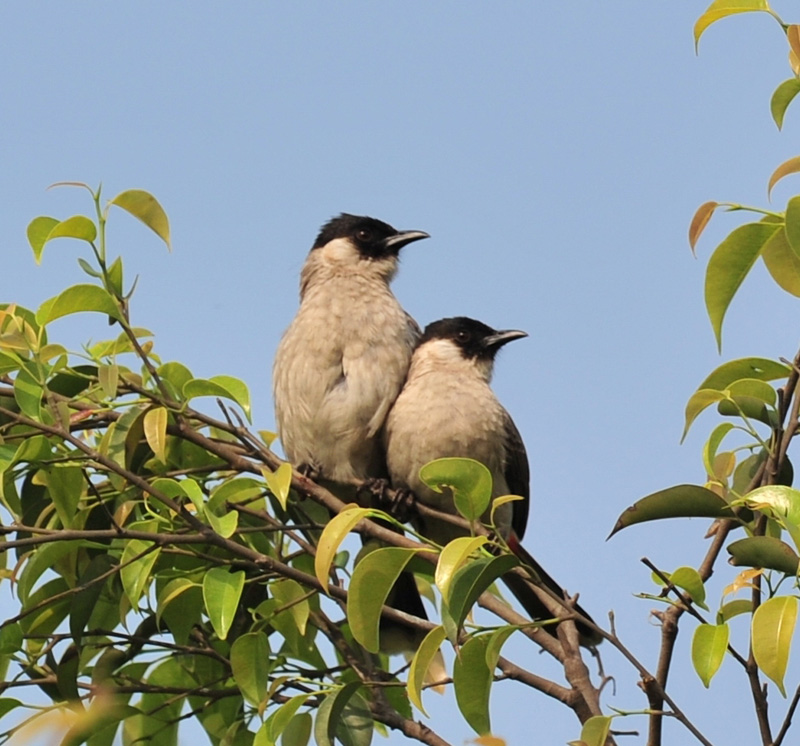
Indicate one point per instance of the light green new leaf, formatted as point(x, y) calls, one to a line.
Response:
point(733, 609)
point(155, 432)
point(472, 680)
point(292, 596)
point(250, 666)
point(43, 559)
point(279, 482)
point(453, 556)
point(224, 386)
point(496, 641)
point(760, 368)
point(689, 580)
point(135, 573)
point(115, 277)
point(28, 393)
point(723, 8)
point(170, 592)
point(145, 206)
point(108, 377)
point(427, 652)
point(333, 535)
point(681, 501)
point(222, 590)
point(782, 263)
point(469, 480)
point(772, 630)
point(278, 721)
point(225, 525)
point(781, 503)
point(373, 579)
point(729, 265)
point(764, 551)
point(708, 650)
point(713, 443)
point(783, 96)
point(38, 231)
point(76, 299)
point(699, 401)
point(594, 731)
point(78, 226)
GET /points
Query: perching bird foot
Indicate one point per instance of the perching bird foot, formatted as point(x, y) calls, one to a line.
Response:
point(309, 471)
point(398, 503)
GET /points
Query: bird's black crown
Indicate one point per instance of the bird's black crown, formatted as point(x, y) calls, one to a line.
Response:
point(368, 234)
point(470, 335)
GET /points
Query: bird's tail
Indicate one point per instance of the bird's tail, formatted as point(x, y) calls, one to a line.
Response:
point(536, 609)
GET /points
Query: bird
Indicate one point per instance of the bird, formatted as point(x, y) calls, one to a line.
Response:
point(343, 359)
point(447, 409)
point(341, 364)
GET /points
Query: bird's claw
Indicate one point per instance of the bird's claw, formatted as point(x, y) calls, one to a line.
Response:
point(399, 503)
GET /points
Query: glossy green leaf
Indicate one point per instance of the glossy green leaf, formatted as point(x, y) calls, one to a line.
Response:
point(76, 299)
point(782, 262)
point(469, 480)
point(176, 374)
point(373, 579)
point(65, 485)
point(115, 277)
point(784, 95)
point(292, 596)
point(729, 265)
point(38, 231)
point(279, 482)
point(39, 562)
point(779, 502)
point(471, 581)
point(496, 641)
point(426, 653)
point(78, 226)
point(699, 401)
point(28, 393)
point(155, 432)
point(146, 208)
point(772, 629)
point(709, 644)
point(764, 551)
point(170, 592)
point(595, 731)
point(250, 666)
point(792, 228)
point(298, 731)
point(337, 529)
point(733, 609)
point(690, 581)
point(712, 444)
point(135, 570)
point(681, 501)
point(222, 590)
point(759, 368)
point(453, 557)
point(225, 524)
point(472, 680)
point(278, 721)
point(330, 712)
point(723, 8)
point(226, 387)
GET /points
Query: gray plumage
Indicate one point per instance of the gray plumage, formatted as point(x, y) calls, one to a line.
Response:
point(448, 409)
point(342, 361)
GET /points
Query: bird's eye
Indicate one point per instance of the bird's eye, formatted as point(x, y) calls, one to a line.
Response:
point(463, 336)
point(364, 234)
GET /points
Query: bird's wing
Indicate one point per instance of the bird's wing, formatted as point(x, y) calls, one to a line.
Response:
point(517, 474)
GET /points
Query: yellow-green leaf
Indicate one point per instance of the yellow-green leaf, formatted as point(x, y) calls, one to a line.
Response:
point(333, 535)
point(595, 730)
point(222, 590)
point(76, 299)
point(135, 570)
point(453, 557)
point(78, 226)
point(38, 231)
point(782, 262)
point(772, 630)
point(472, 680)
point(723, 8)
point(145, 206)
point(279, 482)
point(426, 653)
point(729, 265)
point(708, 650)
point(469, 480)
point(792, 166)
point(784, 95)
point(155, 432)
point(699, 401)
point(250, 666)
point(108, 377)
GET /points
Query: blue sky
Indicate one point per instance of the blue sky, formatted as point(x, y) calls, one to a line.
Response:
point(554, 151)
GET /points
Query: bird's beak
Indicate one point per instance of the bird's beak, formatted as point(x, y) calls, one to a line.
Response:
point(396, 242)
point(498, 339)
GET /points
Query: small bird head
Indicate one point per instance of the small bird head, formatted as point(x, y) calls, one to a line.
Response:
point(351, 241)
point(462, 343)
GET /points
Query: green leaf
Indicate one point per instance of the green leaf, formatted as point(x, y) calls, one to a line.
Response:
point(39, 562)
point(115, 277)
point(76, 299)
point(155, 432)
point(65, 486)
point(595, 730)
point(294, 597)
point(792, 166)
point(373, 579)
point(760, 368)
point(734, 608)
point(453, 557)
point(792, 227)
point(779, 502)
point(783, 96)
point(146, 208)
point(135, 573)
point(469, 480)
point(713, 443)
point(681, 501)
point(225, 525)
point(782, 263)
point(278, 721)
point(338, 527)
point(28, 394)
point(772, 630)
point(38, 231)
point(78, 226)
point(708, 650)
point(764, 551)
point(224, 386)
point(427, 652)
point(222, 590)
point(108, 378)
point(699, 401)
point(723, 8)
point(689, 579)
point(329, 714)
point(729, 265)
point(279, 482)
point(471, 581)
point(472, 680)
point(250, 666)
point(298, 731)
point(496, 641)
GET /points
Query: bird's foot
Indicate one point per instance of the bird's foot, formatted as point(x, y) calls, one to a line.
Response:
point(309, 471)
point(398, 503)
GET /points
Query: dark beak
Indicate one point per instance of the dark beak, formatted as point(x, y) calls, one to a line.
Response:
point(498, 339)
point(403, 238)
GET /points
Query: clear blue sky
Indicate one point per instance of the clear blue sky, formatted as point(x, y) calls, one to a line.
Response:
point(554, 151)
